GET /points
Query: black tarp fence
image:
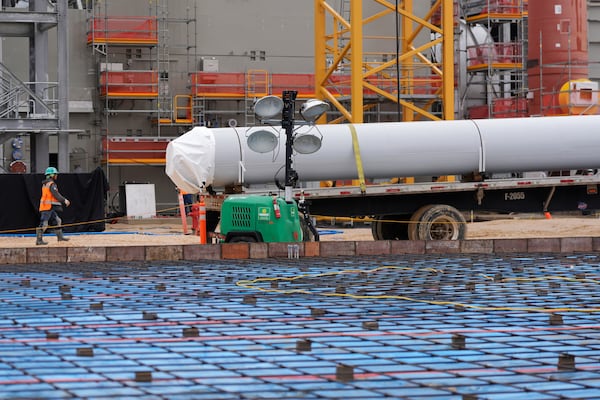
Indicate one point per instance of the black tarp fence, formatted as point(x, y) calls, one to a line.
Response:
point(20, 200)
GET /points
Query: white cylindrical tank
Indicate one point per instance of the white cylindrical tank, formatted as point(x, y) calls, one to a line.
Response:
point(221, 157)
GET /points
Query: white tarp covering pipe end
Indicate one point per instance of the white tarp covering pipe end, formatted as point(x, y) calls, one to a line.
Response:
point(191, 160)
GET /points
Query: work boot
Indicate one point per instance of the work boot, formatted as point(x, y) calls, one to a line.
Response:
point(39, 237)
point(60, 236)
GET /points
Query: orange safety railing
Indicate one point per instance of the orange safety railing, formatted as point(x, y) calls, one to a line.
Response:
point(340, 85)
point(183, 109)
point(257, 83)
point(510, 108)
point(502, 7)
point(436, 17)
point(123, 30)
point(494, 53)
point(238, 85)
point(304, 84)
point(218, 84)
point(501, 108)
point(134, 150)
point(129, 84)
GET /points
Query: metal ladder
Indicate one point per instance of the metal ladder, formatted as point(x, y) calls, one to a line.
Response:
point(257, 86)
point(165, 101)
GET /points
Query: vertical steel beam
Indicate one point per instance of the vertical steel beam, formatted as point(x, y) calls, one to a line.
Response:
point(63, 85)
point(448, 59)
point(38, 72)
point(356, 60)
point(407, 72)
point(320, 57)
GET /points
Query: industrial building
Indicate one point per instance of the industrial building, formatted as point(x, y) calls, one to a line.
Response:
point(107, 83)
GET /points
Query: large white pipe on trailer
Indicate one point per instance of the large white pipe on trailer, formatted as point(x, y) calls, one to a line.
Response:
point(221, 156)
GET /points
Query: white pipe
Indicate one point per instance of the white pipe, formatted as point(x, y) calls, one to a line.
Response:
point(206, 156)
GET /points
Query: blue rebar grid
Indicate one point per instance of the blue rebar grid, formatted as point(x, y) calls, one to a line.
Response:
point(410, 327)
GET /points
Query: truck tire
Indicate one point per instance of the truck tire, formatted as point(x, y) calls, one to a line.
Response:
point(385, 227)
point(437, 222)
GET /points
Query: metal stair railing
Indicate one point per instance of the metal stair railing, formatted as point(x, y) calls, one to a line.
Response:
point(18, 101)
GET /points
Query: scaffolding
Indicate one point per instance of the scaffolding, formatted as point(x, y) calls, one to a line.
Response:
point(135, 78)
point(493, 83)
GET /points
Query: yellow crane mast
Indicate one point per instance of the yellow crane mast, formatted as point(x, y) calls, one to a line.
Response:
point(357, 69)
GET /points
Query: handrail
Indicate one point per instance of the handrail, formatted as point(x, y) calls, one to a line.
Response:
point(16, 97)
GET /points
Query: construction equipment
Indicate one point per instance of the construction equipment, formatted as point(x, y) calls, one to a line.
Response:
point(260, 218)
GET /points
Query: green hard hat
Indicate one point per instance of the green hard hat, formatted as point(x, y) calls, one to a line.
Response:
point(51, 171)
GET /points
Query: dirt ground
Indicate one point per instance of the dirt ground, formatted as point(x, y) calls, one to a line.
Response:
point(169, 231)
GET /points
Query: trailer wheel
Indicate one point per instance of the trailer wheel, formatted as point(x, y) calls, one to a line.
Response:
point(437, 222)
point(386, 228)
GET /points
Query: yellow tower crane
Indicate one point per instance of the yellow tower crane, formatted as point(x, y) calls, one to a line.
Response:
point(357, 66)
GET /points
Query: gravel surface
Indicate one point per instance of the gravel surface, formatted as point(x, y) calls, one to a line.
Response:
point(169, 231)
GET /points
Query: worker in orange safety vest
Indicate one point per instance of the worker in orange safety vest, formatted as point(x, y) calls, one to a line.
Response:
point(51, 203)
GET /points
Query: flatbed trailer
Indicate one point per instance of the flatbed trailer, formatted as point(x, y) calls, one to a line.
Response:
point(436, 210)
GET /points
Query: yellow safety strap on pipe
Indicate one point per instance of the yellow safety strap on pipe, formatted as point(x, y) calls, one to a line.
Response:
point(359, 166)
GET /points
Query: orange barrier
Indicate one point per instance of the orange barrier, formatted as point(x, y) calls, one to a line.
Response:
point(122, 30)
point(129, 84)
point(198, 215)
point(202, 220)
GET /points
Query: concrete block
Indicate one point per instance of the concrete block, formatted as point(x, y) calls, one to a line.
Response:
point(235, 251)
point(510, 245)
point(193, 252)
point(543, 245)
point(571, 245)
point(442, 246)
point(86, 254)
point(126, 253)
point(333, 249)
point(312, 249)
point(484, 246)
point(13, 256)
point(407, 247)
point(596, 244)
point(166, 253)
point(46, 254)
point(259, 250)
point(373, 248)
point(279, 249)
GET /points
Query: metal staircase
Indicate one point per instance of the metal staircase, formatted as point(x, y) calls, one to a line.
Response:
point(21, 109)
